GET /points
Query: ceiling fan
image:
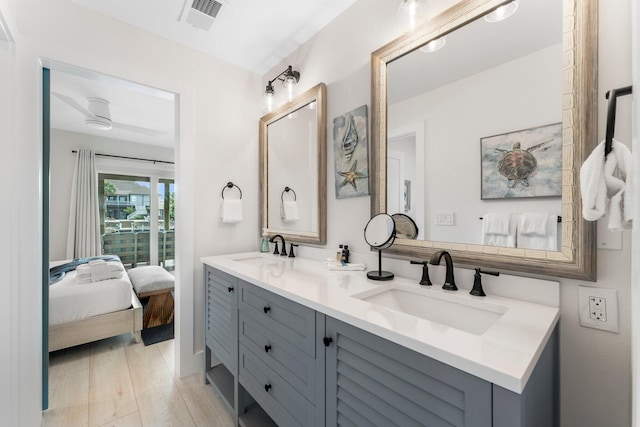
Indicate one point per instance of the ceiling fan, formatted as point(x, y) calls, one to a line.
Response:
point(98, 116)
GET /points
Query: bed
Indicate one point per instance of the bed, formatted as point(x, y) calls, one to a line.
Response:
point(84, 312)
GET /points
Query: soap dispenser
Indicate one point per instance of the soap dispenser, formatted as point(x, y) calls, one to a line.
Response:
point(264, 242)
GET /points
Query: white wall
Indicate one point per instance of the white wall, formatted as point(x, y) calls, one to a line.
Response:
point(10, 389)
point(62, 164)
point(219, 108)
point(595, 365)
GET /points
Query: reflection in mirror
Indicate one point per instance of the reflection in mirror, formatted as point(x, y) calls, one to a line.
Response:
point(492, 122)
point(293, 168)
point(489, 79)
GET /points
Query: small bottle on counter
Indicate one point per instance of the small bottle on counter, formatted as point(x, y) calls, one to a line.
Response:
point(345, 254)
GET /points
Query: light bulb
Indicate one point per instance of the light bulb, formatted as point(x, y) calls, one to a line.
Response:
point(268, 98)
point(411, 14)
point(288, 84)
point(503, 12)
point(433, 45)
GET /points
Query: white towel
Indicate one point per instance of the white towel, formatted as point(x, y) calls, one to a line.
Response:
point(231, 210)
point(532, 239)
point(289, 211)
point(352, 266)
point(499, 229)
point(606, 187)
point(533, 224)
point(98, 270)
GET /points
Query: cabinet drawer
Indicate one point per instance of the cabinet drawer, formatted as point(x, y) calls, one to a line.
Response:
point(281, 401)
point(293, 321)
point(289, 361)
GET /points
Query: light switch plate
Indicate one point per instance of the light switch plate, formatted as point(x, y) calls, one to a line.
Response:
point(598, 308)
point(446, 218)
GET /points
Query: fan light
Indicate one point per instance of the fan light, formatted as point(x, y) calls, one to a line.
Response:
point(98, 123)
point(503, 12)
point(101, 116)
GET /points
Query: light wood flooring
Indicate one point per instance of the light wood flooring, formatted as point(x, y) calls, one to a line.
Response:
point(117, 382)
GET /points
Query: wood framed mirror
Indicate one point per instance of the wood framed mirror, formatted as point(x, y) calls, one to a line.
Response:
point(575, 112)
point(293, 169)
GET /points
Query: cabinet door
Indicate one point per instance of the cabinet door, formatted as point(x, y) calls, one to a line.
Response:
point(221, 316)
point(373, 382)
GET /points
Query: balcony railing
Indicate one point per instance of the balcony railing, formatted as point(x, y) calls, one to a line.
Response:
point(133, 248)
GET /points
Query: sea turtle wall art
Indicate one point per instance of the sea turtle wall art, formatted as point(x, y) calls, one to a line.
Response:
point(524, 163)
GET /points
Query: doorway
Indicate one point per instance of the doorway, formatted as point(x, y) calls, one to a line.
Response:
point(140, 138)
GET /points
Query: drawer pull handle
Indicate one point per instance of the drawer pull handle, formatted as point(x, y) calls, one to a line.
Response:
point(267, 348)
point(327, 341)
point(267, 387)
point(230, 288)
point(266, 309)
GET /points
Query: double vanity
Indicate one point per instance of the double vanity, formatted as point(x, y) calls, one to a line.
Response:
point(299, 345)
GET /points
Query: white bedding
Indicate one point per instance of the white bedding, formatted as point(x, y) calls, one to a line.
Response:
point(70, 301)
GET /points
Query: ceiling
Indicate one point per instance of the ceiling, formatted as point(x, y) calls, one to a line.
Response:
point(252, 34)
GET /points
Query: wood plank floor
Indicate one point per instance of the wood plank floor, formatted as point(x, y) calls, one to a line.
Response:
point(117, 382)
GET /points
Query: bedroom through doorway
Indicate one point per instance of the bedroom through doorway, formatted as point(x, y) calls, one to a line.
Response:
point(134, 145)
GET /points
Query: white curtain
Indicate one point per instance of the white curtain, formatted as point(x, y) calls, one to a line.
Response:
point(84, 238)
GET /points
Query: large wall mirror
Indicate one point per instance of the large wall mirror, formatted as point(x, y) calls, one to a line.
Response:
point(475, 119)
point(293, 168)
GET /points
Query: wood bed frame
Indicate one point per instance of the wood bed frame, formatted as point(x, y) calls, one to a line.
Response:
point(98, 327)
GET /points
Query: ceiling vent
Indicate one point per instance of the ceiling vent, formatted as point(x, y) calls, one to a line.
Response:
point(201, 13)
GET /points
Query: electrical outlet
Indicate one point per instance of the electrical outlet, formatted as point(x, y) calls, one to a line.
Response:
point(598, 308)
point(445, 218)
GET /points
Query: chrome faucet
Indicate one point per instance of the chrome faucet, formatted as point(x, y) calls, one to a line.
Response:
point(284, 248)
point(449, 282)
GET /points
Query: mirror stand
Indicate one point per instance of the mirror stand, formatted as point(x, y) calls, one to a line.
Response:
point(379, 274)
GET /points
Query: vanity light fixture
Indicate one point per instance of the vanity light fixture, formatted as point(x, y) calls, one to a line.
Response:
point(289, 78)
point(411, 13)
point(503, 12)
point(434, 45)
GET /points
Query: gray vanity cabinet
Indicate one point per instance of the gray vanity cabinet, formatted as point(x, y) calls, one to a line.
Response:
point(221, 336)
point(373, 382)
point(284, 364)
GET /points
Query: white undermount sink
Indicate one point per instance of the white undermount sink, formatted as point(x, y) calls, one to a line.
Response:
point(468, 315)
point(261, 260)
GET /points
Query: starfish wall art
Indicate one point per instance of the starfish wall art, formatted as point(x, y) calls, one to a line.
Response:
point(351, 154)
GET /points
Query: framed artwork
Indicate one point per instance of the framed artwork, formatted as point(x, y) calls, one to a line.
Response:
point(351, 153)
point(523, 163)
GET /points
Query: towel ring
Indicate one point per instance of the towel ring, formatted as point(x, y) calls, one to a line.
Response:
point(230, 185)
point(286, 190)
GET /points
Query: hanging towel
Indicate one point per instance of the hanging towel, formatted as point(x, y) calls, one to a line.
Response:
point(533, 224)
point(231, 210)
point(605, 187)
point(290, 211)
point(499, 229)
point(538, 231)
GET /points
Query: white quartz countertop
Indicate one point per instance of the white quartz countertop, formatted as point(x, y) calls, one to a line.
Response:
point(504, 354)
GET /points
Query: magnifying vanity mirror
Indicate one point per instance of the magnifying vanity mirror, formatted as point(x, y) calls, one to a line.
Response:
point(293, 169)
point(379, 233)
point(445, 120)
